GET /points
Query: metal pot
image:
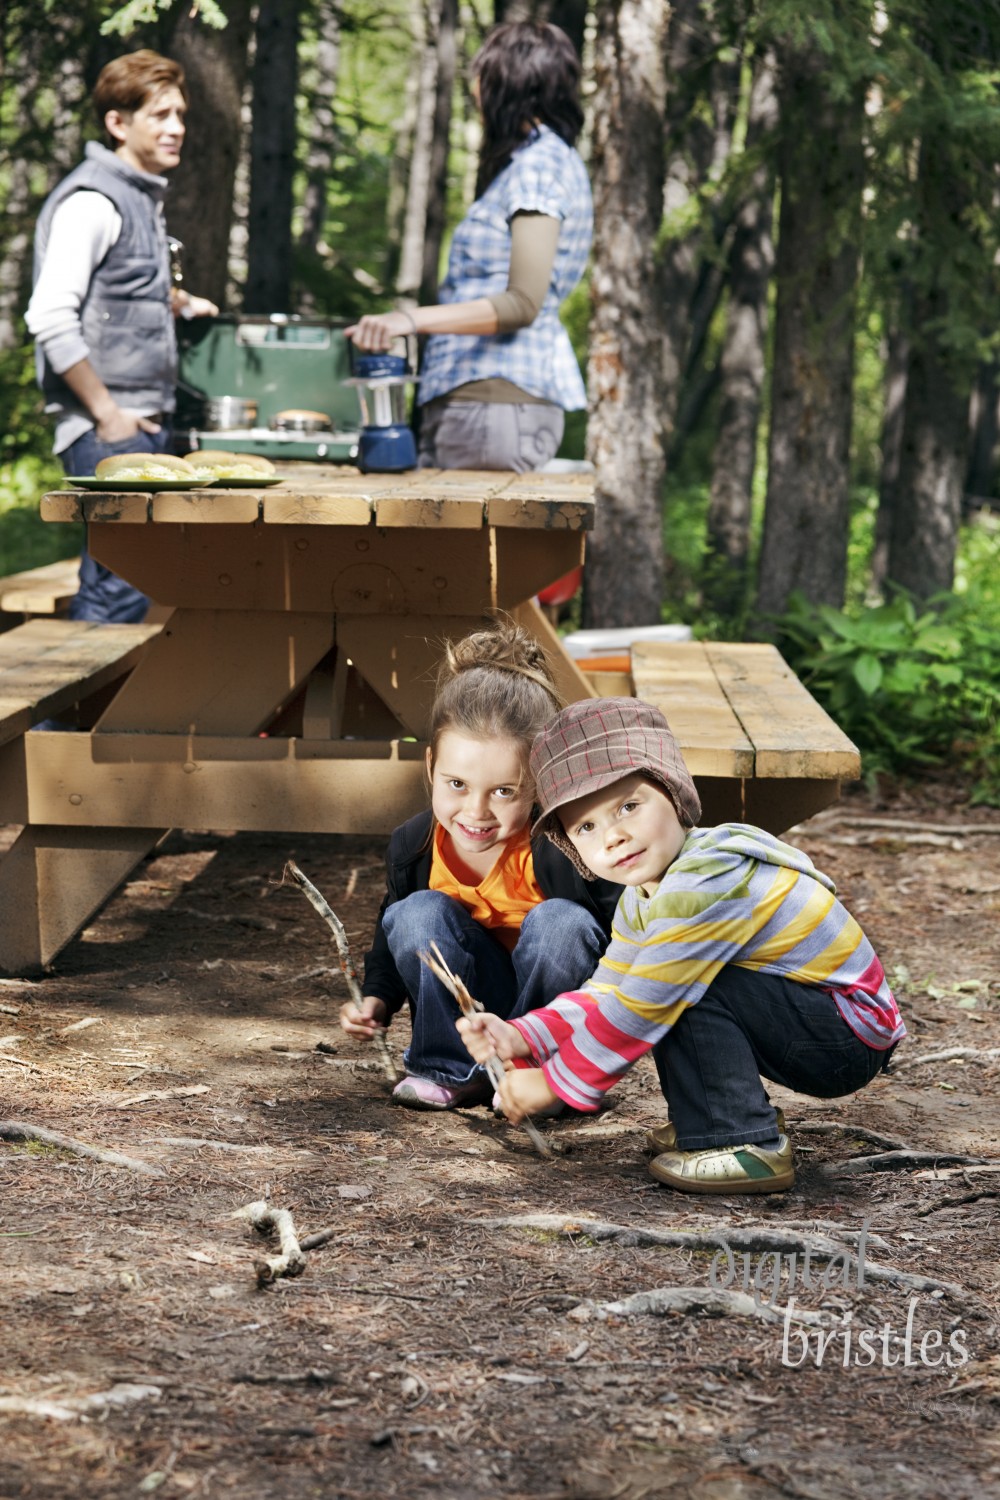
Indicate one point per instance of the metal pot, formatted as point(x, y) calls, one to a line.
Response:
point(223, 413)
point(300, 421)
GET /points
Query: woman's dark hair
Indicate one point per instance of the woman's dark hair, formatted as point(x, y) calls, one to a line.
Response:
point(527, 71)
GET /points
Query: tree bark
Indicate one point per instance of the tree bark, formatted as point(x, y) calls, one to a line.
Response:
point(821, 166)
point(751, 262)
point(700, 90)
point(200, 201)
point(411, 255)
point(321, 138)
point(896, 365)
point(984, 435)
point(925, 519)
point(447, 58)
point(272, 159)
point(623, 578)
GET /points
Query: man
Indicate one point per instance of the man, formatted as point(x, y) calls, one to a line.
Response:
point(103, 307)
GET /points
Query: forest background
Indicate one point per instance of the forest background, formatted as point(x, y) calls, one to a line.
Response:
point(789, 328)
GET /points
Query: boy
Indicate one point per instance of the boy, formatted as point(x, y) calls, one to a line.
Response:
point(730, 957)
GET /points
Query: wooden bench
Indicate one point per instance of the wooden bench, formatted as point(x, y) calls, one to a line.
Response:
point(50, 666)
point(40, 591)
point(759, 746)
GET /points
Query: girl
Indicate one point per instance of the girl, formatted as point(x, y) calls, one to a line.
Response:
point(511, 915)
point(496, 400)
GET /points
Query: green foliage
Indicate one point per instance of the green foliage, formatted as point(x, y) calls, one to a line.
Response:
point(143, 12)
point(913, 687)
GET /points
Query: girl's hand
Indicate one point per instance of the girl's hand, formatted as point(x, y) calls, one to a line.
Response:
point(376, 331)
point(365, 1019)
point(487, 1036)
point(525, 1091)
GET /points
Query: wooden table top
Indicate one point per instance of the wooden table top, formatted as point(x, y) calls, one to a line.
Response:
point(334, 495)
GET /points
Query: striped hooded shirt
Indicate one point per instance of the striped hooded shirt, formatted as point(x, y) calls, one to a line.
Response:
point(734, 895)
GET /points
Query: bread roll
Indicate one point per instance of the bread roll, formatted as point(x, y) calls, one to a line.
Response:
point(144, 466)
point(214, 463)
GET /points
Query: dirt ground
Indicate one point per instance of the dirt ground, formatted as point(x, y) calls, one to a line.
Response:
point(430, 1348)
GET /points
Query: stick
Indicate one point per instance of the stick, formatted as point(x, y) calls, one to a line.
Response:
point(336, 926)
point(291, 1261)
point(469, 1007)
point(17, 1130)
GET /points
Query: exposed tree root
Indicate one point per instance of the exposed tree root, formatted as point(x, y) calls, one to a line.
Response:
point(19, 1130)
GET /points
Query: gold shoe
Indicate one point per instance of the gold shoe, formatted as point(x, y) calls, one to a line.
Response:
point(727, 1169)
point(664, 1137)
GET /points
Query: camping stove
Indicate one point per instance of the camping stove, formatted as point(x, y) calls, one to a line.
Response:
point(290, 368)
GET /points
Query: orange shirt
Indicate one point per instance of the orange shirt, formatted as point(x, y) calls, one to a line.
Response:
point(502, 898)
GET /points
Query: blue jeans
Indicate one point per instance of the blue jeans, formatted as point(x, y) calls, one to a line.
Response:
point(747, 1024)
point(558, 949)
point(102, 595)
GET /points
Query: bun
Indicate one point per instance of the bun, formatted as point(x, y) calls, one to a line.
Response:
point(144, 466)
point(214, 463)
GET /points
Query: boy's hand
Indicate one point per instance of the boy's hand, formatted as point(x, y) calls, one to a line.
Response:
point(365, 1019)
point(524, 1091)
point(486, 1036)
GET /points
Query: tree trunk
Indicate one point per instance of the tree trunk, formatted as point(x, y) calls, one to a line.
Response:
point(321, 139)
point(822, 167)
point(932, 463)
point(200, 201)
point(411, 255)
point(701, 88)
point(984, 435)
point(896, 365)
point(447, 56)
point(623, 579)
point(272, 158)
point(751, 261)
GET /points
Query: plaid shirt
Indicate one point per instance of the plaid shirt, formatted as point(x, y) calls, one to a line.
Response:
point(548, 177)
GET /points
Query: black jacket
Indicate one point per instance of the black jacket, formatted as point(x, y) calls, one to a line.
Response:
point(408, 869)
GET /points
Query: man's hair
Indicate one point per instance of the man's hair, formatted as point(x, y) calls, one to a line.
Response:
point(127, 83)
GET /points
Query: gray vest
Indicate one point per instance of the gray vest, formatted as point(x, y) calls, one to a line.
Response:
point(126, 318)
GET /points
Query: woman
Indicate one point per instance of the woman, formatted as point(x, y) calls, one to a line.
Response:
point(499, 371)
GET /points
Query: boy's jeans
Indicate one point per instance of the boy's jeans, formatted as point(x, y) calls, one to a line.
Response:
point(102, 594)
point(558, 949)
point(747, 1024)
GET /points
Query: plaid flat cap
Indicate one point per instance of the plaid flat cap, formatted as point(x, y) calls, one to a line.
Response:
point(593, 744)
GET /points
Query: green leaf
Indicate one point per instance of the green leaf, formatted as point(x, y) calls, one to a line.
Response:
point(868, 673)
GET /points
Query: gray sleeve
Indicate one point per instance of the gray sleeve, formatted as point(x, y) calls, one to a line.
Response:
point(533, 241)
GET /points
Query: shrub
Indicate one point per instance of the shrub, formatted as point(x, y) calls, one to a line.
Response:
point(913, 686)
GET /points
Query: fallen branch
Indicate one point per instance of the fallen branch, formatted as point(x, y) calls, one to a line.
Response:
point(945, 1172)
point(182, 1093)
point(856, 1132)
point(19, 1062)
point(960, 830)
point(716, 1302)
point(18, 1130)
point(79, 1025)
point(936, 1208)
point(949, 1054)
point(71, 1408)
point(320, 905)
point(749, 1238)
point(263, 1218)
point(317, 1240)
point(902, 1161)
point(469, 1007)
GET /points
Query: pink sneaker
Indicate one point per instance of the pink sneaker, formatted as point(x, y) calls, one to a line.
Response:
point(424, 1093)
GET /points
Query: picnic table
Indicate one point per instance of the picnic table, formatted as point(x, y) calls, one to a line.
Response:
point(288, 689)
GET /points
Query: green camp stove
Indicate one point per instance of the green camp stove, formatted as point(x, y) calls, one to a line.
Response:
point(269, 384)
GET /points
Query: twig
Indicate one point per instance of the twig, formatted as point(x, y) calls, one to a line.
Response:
point(902, 1161)
point(336, 926)
point(960, 830)
point(315, 1241)
point(183, 1093)
point(18, 1130)
point(858, 1132)
point(9, 1057)
point(728, 1238)
point(469, 1007)
point(936, 1208)
point(70, 1408)
point(716, 1302)
point(291, 1261)
point(949, 1054)
point(242, 919)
